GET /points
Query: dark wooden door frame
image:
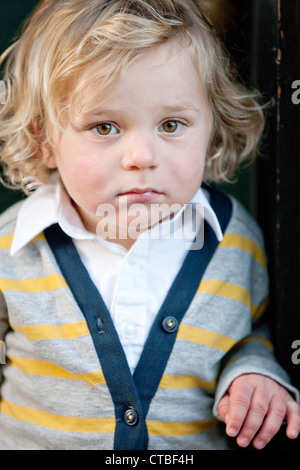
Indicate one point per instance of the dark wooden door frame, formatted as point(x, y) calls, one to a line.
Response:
point(276, 70)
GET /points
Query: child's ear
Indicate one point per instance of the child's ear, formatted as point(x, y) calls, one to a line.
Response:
point(44, 152)
point(47, 157)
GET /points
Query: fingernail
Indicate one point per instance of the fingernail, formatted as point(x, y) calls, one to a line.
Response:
point(232, 432)
point(243, 442)
point(294, 433)
point(259, 444)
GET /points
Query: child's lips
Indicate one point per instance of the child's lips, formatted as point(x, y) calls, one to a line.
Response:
point(139, 195)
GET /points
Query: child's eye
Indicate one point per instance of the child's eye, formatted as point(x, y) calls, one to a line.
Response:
point(105, 128)
point(171, 126)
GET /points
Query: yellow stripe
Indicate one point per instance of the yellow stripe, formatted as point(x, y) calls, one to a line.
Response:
point(59, 422)
point(40, 237)
point(48, 369)
point(6, 241)
point(226, 289)
point(264, 341)
point(205, 337)
point(34, 285)
point(159, 428)
point(232, 292)
point(233, 240)
point(181, 382)
point(258, 311)
point(43, 332)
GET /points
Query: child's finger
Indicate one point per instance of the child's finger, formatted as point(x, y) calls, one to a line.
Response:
point(257, 411)
point(293, 419)
point(272, 422)
point(240, 400)
point(223, 407)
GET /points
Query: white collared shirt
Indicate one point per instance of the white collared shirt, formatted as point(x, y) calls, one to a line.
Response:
point(133, 283)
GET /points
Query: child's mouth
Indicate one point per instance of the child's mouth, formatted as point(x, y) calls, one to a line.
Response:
point(138, 195)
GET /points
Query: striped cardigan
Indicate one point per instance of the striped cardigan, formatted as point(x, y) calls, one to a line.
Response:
point(66, 383)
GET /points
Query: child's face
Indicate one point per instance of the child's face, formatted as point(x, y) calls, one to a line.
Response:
point(147, 144)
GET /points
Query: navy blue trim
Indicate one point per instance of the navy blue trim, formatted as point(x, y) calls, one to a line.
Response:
point(136, 391)
point(221, 204)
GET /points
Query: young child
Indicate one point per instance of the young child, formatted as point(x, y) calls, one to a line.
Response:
point(131, 292)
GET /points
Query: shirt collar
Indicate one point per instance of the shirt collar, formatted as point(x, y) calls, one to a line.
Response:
point(32, 218)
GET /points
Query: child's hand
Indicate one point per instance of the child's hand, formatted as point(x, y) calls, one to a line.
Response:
point(257, 404)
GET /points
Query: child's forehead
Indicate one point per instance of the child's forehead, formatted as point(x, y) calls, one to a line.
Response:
point(160, 67)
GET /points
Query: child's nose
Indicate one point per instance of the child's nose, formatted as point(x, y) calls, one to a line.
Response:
point(140, 153)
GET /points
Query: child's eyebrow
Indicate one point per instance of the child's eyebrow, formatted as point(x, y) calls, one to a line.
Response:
point(164, 109)
point(180, 108)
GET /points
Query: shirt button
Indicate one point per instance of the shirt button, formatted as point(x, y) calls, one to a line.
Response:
point(170, 324)
point(131, 417)
point(129, 331)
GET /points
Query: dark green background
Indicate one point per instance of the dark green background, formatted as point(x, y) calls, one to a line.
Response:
point(12, 14)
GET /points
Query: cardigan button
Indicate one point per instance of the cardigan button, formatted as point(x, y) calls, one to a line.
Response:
point(170, 324)
point(131, 417)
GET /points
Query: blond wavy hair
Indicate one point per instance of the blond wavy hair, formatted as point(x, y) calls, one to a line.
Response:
point(67, 46)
